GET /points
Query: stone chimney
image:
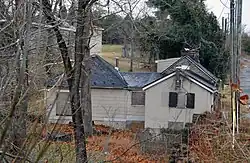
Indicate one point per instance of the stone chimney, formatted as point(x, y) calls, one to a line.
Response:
point(194, 54)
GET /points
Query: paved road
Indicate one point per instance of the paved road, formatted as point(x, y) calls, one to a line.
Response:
point(245, 80)
point(245, 77)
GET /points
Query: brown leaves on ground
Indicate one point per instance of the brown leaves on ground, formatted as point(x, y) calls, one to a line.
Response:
point(116, 146)
point(211, 141)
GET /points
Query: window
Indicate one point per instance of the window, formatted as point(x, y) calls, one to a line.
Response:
point(173, 98)
point(181, 100)
point(138, 98)
point(190, 100)
point(63, 105)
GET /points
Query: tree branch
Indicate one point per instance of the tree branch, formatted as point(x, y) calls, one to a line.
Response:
point(47, 9)
point(13, 156)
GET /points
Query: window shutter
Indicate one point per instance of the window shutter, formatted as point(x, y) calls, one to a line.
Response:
point(190, 100)
point(173, 99)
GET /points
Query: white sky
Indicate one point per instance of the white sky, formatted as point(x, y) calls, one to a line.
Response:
point(213, 5)
point(217, 7)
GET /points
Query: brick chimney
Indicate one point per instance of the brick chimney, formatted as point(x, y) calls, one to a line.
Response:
point(194, 54)
point(117, 63)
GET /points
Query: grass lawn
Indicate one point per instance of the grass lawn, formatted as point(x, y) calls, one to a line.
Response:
point(112, 48)
point(109, 52)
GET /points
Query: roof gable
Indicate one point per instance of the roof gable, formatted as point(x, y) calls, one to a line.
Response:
point(185, 74)
point(194, 67)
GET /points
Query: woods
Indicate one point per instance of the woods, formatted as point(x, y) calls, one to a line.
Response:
point(77, 73)
point(174, 25)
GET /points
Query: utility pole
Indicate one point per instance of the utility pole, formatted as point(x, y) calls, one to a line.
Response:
point(233, 65)
point(235, 51)
point(235, 81)
point(223, 25)
point(239, 30)
point(225, 28)
point(224, 31)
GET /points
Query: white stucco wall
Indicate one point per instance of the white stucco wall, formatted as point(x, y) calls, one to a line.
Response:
point(109, 105)
point(157, 111)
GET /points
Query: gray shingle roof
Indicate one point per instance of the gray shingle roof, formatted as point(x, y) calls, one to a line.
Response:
point(103, 74)
point(140, 79)
point(199, 79)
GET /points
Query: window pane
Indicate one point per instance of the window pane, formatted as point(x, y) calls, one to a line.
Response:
point(190, 100)
point(138, 98)
point(173, 98)
point(63, 105)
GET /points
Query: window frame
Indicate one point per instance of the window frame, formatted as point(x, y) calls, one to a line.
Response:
point(187, 99)
point(144, 96)
point(169, 99)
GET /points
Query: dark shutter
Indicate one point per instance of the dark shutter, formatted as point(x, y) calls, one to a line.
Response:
point(190, 100)
point(173, 99)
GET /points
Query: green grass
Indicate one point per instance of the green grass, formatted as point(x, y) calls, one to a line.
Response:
point(109, 52)
point(111, 48)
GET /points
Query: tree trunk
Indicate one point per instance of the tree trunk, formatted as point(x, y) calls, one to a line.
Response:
point(74, 75)
point(86, 103)
point(20, 102)
point(86, 95)
point(86, 73)
point(49, 52)
point(125, 47)
point(77, 110)
point(132, 46)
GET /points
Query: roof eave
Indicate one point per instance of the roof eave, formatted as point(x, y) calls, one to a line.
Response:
point(170, 75)
point(212, 76)
point(94, 87)
point(157, 81)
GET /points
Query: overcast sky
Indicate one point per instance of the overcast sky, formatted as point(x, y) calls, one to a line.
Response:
point(217, 7)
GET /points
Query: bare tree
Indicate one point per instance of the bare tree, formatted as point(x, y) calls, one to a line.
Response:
point(17, 115)
point(80, 70)
point(132, 9)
